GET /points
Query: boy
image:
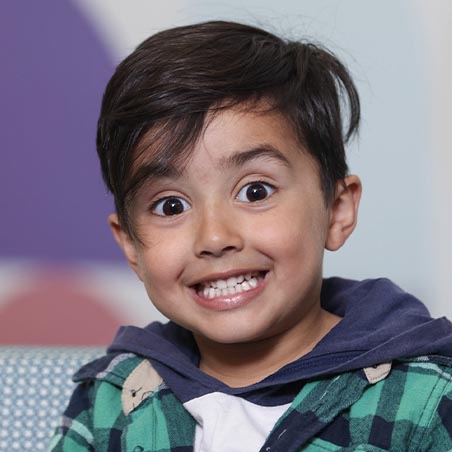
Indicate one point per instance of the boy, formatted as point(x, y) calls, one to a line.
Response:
point(223, 146)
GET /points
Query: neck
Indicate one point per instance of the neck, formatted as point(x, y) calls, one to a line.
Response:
point(240, 365)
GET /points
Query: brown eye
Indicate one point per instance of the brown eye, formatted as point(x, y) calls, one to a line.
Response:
point(255, 191)
point(170, 206)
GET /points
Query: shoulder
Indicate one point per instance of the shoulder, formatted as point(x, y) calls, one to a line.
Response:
point(119, 400)
point(113, 368)
point(411, 406)
point(117, 377)
point(427, 398)
point(398, 406)
point(420, 383)
point(422, 372)
point(108, 389)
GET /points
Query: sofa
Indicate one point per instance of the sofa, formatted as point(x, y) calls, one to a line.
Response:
point(35, 387)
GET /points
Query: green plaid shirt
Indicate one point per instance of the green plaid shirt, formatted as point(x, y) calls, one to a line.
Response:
point(401, 407)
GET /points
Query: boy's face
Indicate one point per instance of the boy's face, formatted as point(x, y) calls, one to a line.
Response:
point(232, 246)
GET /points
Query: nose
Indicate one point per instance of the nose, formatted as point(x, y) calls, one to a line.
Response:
point(217, 233)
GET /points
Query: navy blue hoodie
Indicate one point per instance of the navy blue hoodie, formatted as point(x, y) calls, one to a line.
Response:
point(380, 323)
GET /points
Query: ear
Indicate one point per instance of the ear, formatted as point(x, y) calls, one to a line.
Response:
point(126, 243)
point(343, 212)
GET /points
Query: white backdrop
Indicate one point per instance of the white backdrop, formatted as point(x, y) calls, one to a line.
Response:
point(398, 52)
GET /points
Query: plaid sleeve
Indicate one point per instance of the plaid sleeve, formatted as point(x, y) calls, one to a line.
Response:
point(438, 436)
point(74, 434)
point(95, 419)
point(409, 410)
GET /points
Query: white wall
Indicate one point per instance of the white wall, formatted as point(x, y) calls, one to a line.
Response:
point(399, 54)
point(436, 22)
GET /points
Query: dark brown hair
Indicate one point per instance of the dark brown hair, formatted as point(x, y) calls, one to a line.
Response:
point(159, 96)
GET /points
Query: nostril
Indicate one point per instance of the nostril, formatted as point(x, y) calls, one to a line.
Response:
point(216, 236)
point(218, 252)
point(229, 248)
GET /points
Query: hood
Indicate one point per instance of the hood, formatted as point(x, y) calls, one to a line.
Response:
point(380, 323)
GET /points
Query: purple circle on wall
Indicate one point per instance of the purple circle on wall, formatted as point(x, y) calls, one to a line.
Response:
point(54, 70)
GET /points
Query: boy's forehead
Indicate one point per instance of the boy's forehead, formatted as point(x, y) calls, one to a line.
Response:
point(162, 153)
point(234, 159)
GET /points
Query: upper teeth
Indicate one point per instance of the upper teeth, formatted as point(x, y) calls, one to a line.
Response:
point(230, 282)
point(230, 286)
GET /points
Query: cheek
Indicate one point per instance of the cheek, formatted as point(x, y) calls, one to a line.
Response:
point(162, 261)
point(160, 269)
point(292, 236)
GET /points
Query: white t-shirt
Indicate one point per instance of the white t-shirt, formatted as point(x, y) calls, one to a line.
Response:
point(227, 423)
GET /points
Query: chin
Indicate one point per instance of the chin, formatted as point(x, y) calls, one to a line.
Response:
point(227, 336)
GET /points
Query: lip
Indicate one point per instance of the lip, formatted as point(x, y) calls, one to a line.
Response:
point(228, 302)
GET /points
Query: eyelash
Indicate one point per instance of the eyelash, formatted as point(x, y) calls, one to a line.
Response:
point(158, 207)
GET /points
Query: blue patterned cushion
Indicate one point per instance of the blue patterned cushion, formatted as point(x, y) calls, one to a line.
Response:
point(35, 387)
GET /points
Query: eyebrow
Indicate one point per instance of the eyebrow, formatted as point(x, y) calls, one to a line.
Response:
point(239, 158)
point(159, 170)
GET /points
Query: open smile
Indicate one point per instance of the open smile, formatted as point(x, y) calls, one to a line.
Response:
point(221, 294)
point(230, 286)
